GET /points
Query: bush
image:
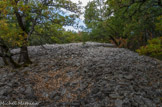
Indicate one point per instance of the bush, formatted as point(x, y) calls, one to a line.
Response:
point(153, 48)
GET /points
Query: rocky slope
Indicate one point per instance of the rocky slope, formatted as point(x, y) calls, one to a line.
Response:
point(93, 75)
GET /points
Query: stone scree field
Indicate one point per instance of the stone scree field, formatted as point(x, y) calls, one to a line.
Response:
point(93, 75)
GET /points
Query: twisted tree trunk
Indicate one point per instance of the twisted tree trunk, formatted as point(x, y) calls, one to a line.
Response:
point(24, 56)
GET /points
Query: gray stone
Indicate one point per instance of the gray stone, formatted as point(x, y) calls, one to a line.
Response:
point(99, 95)
point(2, 84)
point(53, 94)
point(139, 100)
point(69, 95)
point(156, 100)
point(63, 91)
point(45, 94)
point(95, 90)
point(75, 104)
point(129, 77)
point(115, 96)
point(107, 91)
point(135, 104)
point(148, 102)
point(118, 103)
point(2, 91)
point(57, 98)
point(29, 92)
point(107, 77)
point(103, 83)
point(77, 64)
point(96, 105)
point(21, 90)
point(15, 84)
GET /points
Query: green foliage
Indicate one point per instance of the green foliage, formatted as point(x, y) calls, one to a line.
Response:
point(131, 20)
point(159, 23)
point(11, 34)
point(23, 20)
point(52, 36)
point(153, 49)
point(69, 36)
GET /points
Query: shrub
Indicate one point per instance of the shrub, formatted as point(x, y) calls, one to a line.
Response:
point(153, 48)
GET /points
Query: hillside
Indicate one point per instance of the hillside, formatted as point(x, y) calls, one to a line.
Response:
point(90, 75)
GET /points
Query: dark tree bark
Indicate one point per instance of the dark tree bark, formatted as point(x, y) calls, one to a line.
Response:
point(24, 56)
point(3, 57)
point(115, 33)
point(113, 39)
point(7, 55)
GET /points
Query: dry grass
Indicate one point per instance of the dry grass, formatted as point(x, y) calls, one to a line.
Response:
point(54, 80)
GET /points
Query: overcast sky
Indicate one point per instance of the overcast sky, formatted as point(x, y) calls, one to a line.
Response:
point(84, 3)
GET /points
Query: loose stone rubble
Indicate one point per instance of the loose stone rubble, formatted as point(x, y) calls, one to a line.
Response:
point(89, 75)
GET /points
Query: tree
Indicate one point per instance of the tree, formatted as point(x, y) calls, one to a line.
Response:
point(96, 15)
point(131, 21)
point(26, 15)
point(138, 19)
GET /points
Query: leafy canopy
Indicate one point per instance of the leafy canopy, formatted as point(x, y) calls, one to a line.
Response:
point(19, 19)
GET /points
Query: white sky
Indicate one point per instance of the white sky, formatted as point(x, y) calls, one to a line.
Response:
point(84, 3)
